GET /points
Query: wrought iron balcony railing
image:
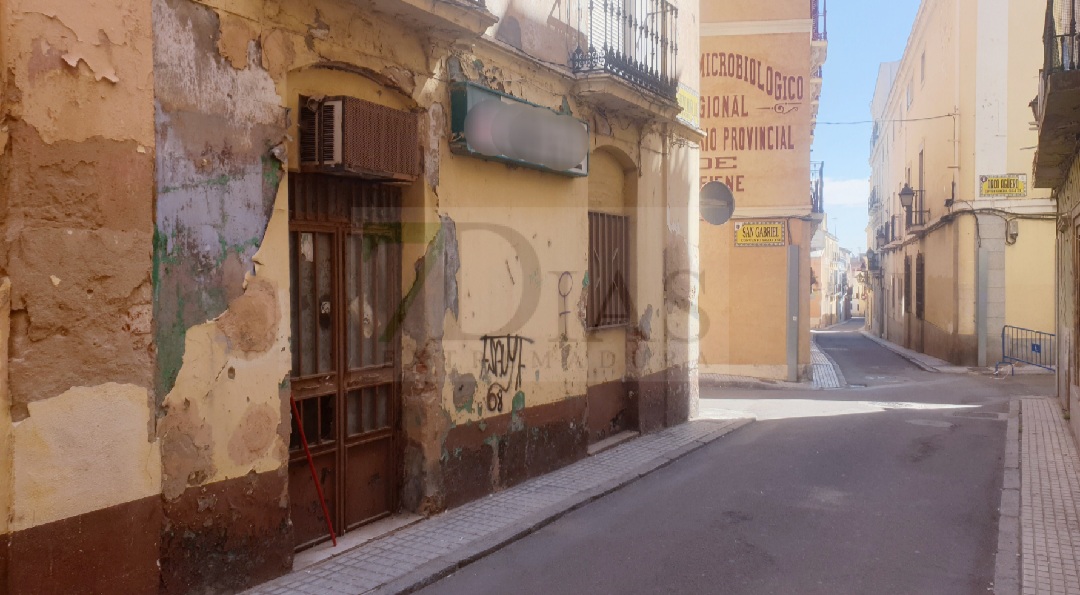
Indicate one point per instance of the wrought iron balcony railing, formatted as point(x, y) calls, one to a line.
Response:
point(918, 217)
point(817, 186)
point(632, 39)
point(1061, 43)
point(818, 13)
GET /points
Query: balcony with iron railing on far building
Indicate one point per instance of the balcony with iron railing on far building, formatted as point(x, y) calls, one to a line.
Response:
point(817, 187)
point(819, 37)
point(626, 47)
point(1058, 102)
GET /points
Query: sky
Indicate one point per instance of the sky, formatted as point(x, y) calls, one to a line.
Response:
point(862, 35)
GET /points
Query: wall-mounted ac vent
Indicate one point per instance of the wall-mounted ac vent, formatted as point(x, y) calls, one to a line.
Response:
point(352, 136)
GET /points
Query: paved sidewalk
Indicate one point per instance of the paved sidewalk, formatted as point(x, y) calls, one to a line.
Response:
point(933, 364)
point(428, 550)
point(827, 374)
point(1049, 495)
point(926, 362)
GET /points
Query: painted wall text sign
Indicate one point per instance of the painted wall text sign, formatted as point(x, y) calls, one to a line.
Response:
point(774, 83)
point(760, 233)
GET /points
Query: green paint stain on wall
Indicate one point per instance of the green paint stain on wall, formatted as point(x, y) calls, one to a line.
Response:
point(517, 422)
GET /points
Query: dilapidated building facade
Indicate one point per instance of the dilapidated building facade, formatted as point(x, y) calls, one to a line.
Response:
point(418, 251)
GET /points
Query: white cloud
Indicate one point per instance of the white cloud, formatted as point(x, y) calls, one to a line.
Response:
point(846, 193)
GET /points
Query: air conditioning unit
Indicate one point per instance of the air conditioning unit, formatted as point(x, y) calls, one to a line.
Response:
point(346, 135)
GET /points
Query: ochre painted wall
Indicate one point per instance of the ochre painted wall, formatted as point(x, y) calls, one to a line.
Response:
point(755, 79)
point(1029, 296)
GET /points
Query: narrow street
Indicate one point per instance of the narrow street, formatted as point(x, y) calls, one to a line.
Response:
point(890, 487)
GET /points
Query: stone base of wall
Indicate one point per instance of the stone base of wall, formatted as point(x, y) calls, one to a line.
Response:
point(112, 550)
point(501, 451)
point(227, 536)
point(4, 544)
point(961, 350)
point(611, 410)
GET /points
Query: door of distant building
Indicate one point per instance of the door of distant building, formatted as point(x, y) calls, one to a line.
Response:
point(344, 242)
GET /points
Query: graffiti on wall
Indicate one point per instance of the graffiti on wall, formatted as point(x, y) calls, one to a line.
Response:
point(501, 363)
point(566, 284)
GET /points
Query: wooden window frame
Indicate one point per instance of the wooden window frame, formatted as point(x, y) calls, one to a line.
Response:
point(907, 284)
point(920, 287)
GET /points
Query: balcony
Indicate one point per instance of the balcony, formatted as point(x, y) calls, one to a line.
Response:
point(1059, 94)
point(459, 18)
point(818, 13)
point(819, 40)
point(630, 46)
point(917, 219)
point(815, 83)
point(817, 186)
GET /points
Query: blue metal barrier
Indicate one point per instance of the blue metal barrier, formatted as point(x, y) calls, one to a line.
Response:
point(1025, 346)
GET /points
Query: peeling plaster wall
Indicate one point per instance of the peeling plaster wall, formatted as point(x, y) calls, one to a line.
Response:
point(221, 301)
point(77, 450)
point(5, 424)
point(146, 231)
point(63, 466)
point(77, 168)
point(77, 176)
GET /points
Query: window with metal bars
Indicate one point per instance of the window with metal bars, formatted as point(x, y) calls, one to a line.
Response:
point(907, 284)
point(609, 264)
point(920, 287)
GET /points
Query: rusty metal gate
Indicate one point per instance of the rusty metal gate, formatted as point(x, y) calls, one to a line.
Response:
point(345, 250)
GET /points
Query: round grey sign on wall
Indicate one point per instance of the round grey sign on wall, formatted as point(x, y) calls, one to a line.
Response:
point(717, 203)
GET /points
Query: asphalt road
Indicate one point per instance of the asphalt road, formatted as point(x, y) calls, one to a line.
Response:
point(891, 488)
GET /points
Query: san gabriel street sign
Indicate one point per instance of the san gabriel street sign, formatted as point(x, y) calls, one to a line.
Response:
point(760, 233)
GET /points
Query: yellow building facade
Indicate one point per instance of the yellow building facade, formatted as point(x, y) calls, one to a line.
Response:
point(760, 78)
point(973, 253)
point(239, 231)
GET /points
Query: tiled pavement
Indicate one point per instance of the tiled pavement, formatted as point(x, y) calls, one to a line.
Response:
point(826, 373)
point(1049, 495)
point(425, 551)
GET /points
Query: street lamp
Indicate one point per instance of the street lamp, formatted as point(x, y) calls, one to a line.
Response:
point(907, 195)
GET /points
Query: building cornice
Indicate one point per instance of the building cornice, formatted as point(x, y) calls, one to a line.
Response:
point(779, 27)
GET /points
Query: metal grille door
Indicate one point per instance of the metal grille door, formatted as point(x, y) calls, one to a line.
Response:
point(345, 249)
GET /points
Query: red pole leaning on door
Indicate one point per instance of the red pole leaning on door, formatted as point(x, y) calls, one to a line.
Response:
point(311, 465)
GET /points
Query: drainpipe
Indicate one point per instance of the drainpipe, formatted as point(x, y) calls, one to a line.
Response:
point(793, 313)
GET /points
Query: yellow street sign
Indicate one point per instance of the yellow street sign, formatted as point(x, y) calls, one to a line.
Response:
point(1006, 185)
point(760, 233)
point(690, 103)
